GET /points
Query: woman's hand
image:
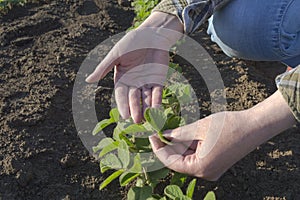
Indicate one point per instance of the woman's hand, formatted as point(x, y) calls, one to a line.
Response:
point(140, 60)
point(208, 147)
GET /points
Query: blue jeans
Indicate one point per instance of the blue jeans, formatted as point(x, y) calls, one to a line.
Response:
point(262, 30)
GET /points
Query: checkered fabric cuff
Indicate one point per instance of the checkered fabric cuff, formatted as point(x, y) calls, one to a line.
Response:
point(288, 84)
point(192, 13)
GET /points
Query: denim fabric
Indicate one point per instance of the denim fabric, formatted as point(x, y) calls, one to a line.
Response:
point(263, 30)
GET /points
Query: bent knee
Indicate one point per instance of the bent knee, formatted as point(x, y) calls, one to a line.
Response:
point(272, 34)
point(289, 30)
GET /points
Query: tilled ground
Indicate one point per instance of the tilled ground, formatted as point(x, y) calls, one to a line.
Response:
point(41, 156)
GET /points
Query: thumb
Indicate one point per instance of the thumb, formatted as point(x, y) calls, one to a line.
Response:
point(194, 131)
point(104, 67)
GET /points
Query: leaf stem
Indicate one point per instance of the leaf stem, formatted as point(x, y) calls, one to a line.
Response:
point(163, 139)
point(146, 176)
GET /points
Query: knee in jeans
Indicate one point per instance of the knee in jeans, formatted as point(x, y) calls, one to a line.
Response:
point(289, 30)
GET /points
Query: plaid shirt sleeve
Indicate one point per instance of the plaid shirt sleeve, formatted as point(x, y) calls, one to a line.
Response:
point(192, 13)
point(288, 84)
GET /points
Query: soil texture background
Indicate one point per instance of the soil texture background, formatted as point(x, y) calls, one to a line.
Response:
point(42, 46)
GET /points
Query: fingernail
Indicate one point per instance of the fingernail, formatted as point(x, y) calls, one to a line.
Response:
point(89, 79)
point(151, 137)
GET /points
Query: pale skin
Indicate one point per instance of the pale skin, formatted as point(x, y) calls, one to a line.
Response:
point(207, 147)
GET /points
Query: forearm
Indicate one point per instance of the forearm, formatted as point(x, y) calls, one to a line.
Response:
point(241, 132)
point(269, 118)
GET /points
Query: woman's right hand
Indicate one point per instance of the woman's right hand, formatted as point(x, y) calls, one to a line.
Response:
point(210, 146)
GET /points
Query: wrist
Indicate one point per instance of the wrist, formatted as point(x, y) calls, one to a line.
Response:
point(168, 26)
point(163, 20)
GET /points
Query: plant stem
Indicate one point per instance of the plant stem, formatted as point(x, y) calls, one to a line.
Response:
point(163, 139)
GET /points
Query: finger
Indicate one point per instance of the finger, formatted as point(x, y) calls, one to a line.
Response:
point(189, 152)
point(121, 95)
point(146, 97)
point(134, 96)
point(184, 147)
point(156, 143)
point(171, 159)
point(192, 144)
point(104, 67)
point(162, 151)
point(156, 96)
point(180, 148)
point(193, 131)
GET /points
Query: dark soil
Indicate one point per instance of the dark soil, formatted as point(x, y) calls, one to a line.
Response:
point(41, 156)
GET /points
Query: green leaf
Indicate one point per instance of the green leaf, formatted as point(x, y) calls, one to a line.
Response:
point(184, 93)
point(137, 166)
point(167, 93)
point(169, 100)
point(191, 187)
point(127, 140)
point(174, 88)
point(210, 196)
point(159, 174)
point(134, 128)
point(123, 153)
point(163, 139)
point(114, 115)
point(117, 132)
point(139, 193)
point(175, 67)
point(156, 118)
point(111, 161)
point(127, 177)
point(109, 179)
point(109, 148)
point(120, 127)
point(149, 161)
point(183, 198)
point(103, 143)
point(101, 125)
point(178, 179)
point(151, 198)
point(173, 122)
point(168, 112)
point(143, 144)
point(148, 126)
point(173, 191)
point(183, 121)
point(156, 176)
point(156, 196)
point(103, 168)
point(139, 182)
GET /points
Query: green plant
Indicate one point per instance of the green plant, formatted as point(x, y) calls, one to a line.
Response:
point(128, 152)
point(142, 9)
point(7, 4)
